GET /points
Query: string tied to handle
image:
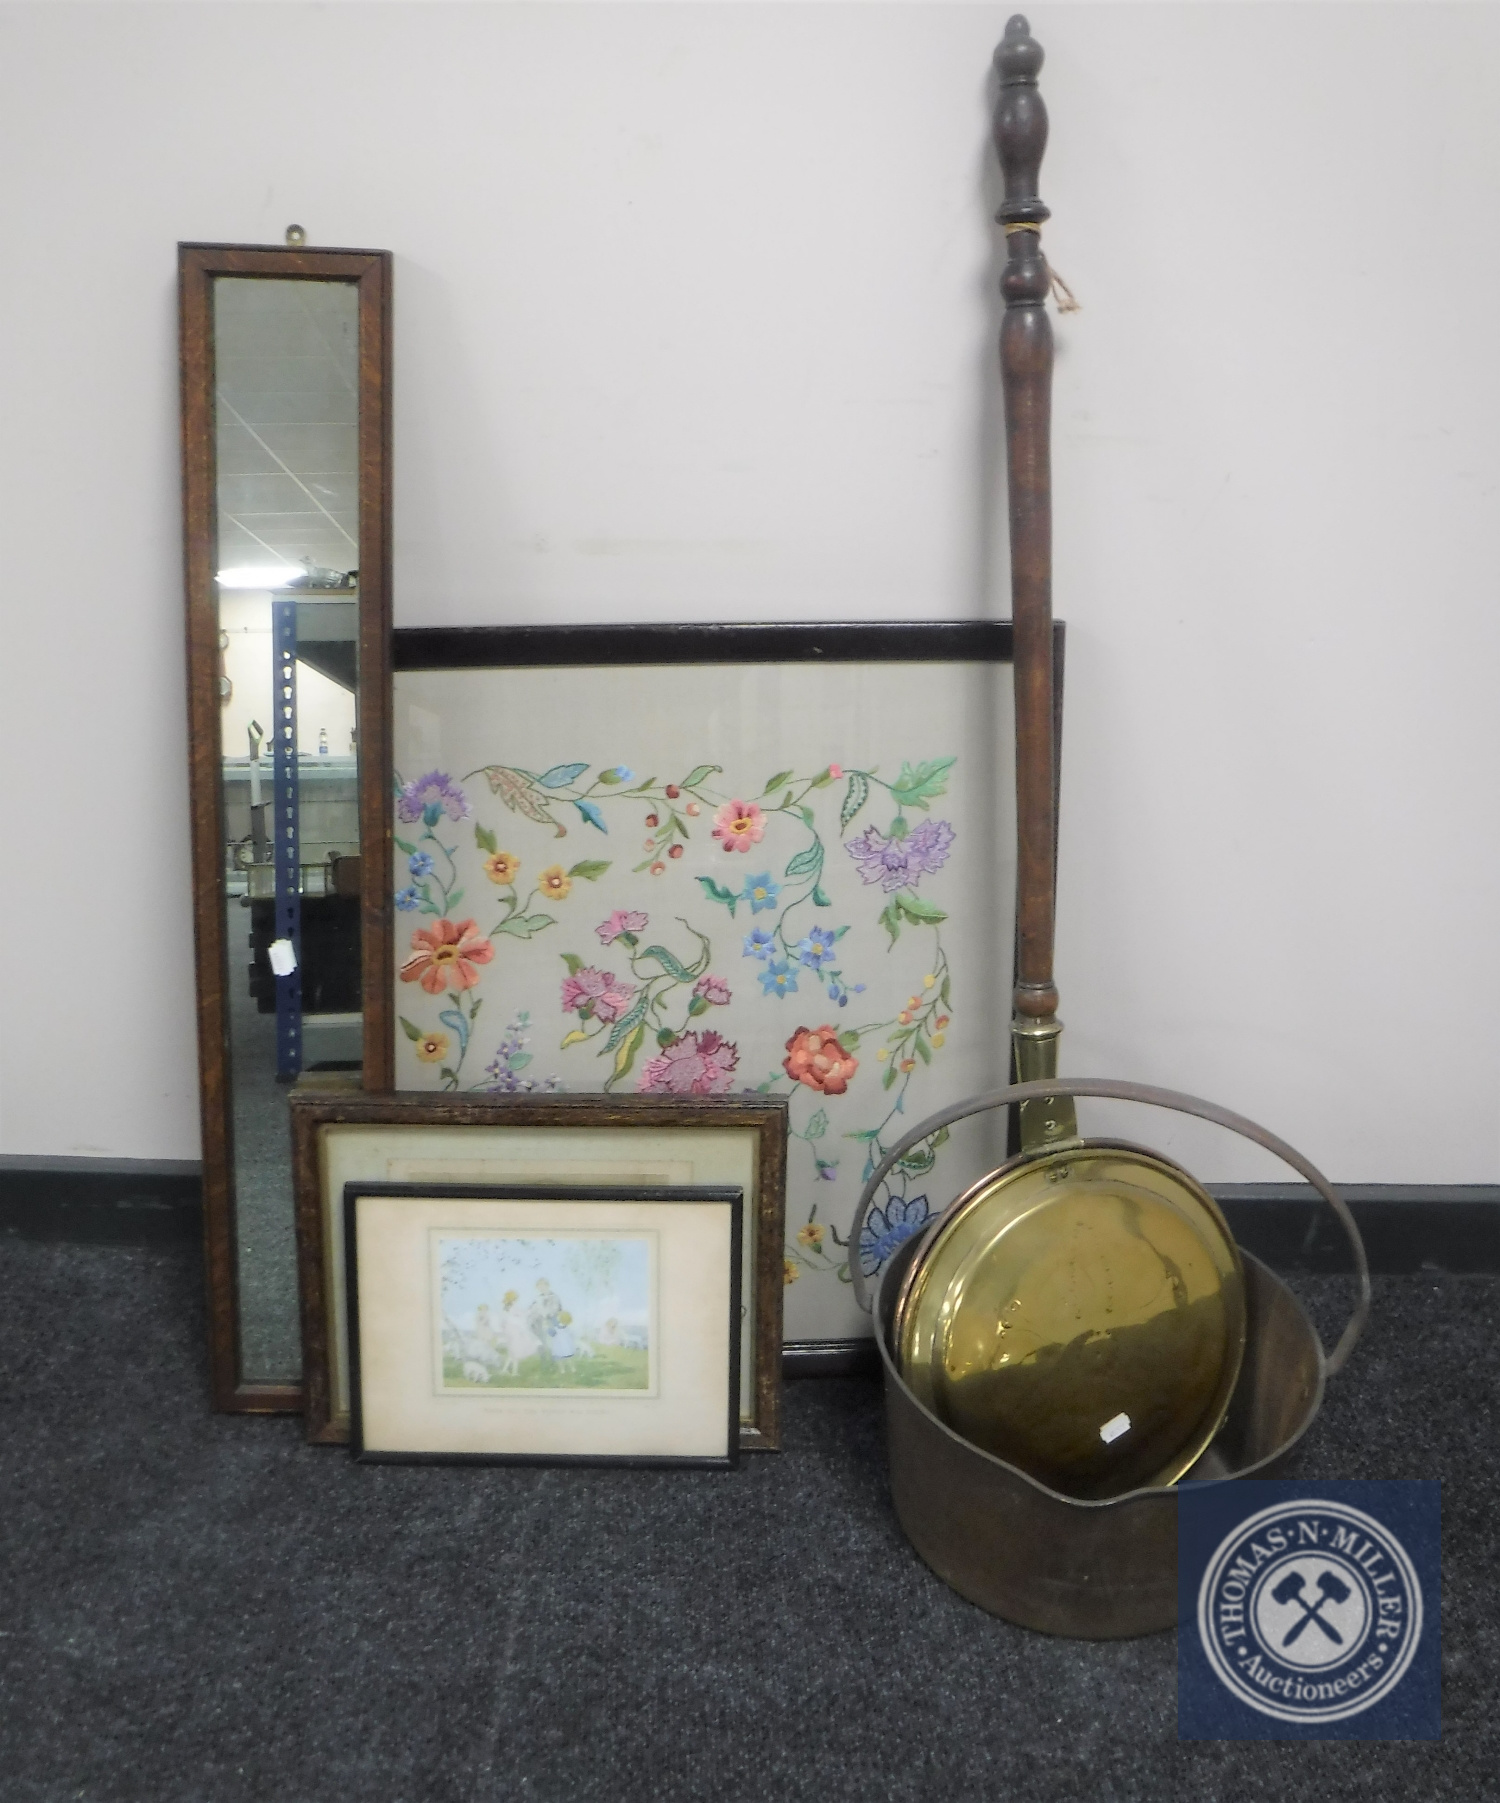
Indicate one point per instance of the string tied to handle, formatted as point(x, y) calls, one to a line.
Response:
point(1067, 301)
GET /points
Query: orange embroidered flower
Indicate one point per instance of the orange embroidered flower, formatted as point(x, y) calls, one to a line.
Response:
point(445, 955)
point(738, 825)
point(811, 1236)
point(501, 867)
point(432, 1048)
point(815, 1057)
point(555, 883)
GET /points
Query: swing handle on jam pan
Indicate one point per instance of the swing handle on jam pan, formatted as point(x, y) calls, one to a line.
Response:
point(1155, 1098)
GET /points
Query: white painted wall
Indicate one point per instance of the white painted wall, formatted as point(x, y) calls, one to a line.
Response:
point(694, 321)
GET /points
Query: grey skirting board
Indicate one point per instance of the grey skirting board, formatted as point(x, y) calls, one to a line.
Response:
point(1407, 1228)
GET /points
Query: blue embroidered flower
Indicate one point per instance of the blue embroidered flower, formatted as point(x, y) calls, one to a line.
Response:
point(839, 991)
point(761, 892)
point(778, 978)
point(887, 1228)
point(759, 943)
point(622, 773)
point(407, 899)
point(817, 948)
point(420, 863)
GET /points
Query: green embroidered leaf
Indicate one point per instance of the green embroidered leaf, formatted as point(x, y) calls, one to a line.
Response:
point(611, 776)
point(817, 1126)
point(454, 899)
point(914, 788)
point(450, 1075)
point(628, 1023)
point(484, 838)
point(625, 1055)
point(697, 1006)
point(560, 775)
point(573, 1038)
point(891, 921)
point(855, 797)
point(922, 1049)
point(519, 1060)
point(807, 815)
point(717, 892)
point(523, 926)
point(820, 900)
point(408, 1029)
point(920, 913)
point(919, 1161)
point(889, 1078)
point(519, 793)
point(590, 869)
point(848, 1041)
point(945, 996)
point(808, 862)
point(822, 781)
point(668, 962)
point(701, 773)
point(865, 1133)
point(410, 850)
point(573, 962)
point(781, 777)
point(640, 788)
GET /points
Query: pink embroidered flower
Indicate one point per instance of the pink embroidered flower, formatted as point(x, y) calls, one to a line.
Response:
point(598, 992)
point(623, 920)
point(738, 825)
point(694, 1064)
point(445, 954)
point(712, 989)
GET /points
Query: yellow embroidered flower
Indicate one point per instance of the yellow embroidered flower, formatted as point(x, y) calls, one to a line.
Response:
point(501, 867)
point(883, 1053)
point(928, 980)
point(432, 1048)
point(555, 883)
point(938, 1038)
point(811, 1236)
point(790, 1270)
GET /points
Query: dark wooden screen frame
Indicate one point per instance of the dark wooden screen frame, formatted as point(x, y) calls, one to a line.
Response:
point(827, 642)
point(369, 271)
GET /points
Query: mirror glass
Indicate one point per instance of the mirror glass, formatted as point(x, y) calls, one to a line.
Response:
point(286, 431)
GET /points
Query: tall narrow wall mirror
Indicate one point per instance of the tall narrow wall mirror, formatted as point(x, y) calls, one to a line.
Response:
point(286, 485)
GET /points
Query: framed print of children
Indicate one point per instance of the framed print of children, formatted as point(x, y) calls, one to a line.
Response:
point(523, 1312)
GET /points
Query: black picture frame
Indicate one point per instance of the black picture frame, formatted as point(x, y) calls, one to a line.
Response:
point(721, 1195)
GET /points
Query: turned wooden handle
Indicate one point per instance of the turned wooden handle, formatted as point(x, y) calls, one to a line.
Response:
point(1026, 379)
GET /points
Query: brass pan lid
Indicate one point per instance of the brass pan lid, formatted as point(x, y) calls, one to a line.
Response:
point(1080, 1314)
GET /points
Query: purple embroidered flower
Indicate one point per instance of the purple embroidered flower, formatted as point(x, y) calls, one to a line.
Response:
point(623, 920)
point(430, 796)
point(887, 1228)
point(901, 863)
point(712, 989)
point(511, 1058)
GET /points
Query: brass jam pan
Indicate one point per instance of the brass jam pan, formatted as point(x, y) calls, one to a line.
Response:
point(1080, 1314)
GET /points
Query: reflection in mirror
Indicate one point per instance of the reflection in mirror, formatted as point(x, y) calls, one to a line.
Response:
point(286, 372)
point(274, 386)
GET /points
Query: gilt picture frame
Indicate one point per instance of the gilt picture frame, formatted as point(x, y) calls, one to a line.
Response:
point(536, 1324)
point(347, 1137)
point(706, 860)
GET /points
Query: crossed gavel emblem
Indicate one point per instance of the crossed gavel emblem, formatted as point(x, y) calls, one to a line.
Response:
point(1334, 1590)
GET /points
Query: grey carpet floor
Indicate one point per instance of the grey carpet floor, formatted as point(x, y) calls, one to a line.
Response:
point(204, 1608)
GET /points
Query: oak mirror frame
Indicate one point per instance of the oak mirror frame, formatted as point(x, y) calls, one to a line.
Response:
point(286, 463)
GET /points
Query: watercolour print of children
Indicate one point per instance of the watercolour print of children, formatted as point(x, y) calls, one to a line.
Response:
point(811, 899)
